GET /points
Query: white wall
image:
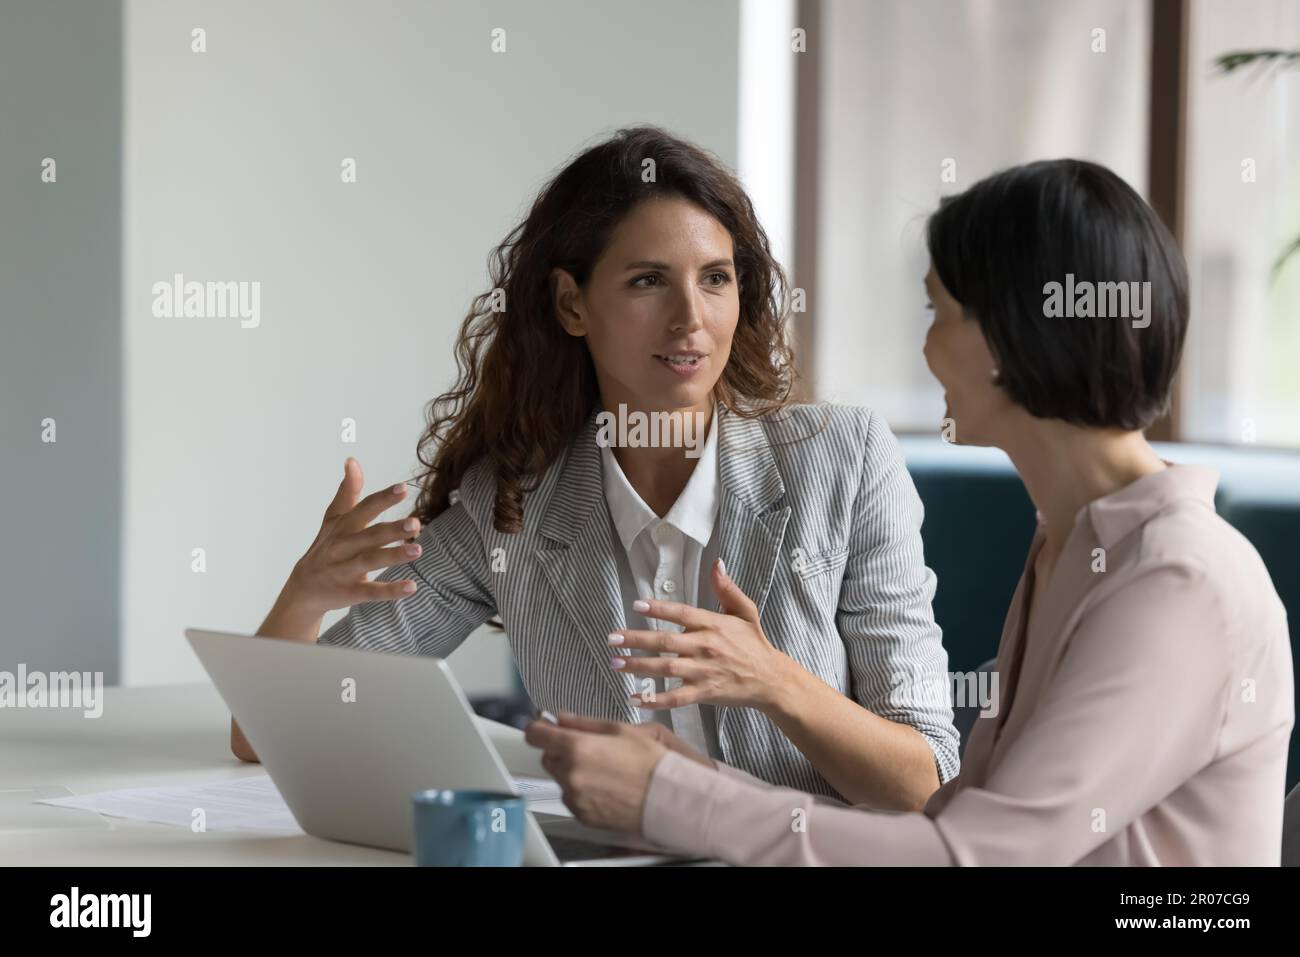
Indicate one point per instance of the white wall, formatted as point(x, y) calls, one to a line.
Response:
point(232, 173)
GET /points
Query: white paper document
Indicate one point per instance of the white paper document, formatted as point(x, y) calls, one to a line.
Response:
point(21, 810)
point(247, 802)
point(253, 802)
point(250, 802)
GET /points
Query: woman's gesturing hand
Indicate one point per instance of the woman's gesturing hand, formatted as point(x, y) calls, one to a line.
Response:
point(333, 572)
point(721, 658)
point(604, 767)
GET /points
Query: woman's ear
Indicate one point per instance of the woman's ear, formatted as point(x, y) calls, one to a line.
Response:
point(567, 298)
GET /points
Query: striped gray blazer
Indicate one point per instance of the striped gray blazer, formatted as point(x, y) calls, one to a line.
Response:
point(819, 524)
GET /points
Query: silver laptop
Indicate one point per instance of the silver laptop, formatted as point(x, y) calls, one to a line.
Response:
point(347, 736)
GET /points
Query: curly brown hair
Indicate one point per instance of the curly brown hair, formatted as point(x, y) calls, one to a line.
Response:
point(525, 386)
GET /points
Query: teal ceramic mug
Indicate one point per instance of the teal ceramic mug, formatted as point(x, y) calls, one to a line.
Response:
point(467, 828)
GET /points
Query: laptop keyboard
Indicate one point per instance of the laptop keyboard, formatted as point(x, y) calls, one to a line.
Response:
point(576, 849)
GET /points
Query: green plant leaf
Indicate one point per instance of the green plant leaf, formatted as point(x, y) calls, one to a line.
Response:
point(1287, 253)
point(1282, 59)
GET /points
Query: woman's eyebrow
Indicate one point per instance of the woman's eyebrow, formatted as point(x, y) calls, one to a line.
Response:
point(647, 264)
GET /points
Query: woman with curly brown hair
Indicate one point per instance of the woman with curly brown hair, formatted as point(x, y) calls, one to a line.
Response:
point(640, 289)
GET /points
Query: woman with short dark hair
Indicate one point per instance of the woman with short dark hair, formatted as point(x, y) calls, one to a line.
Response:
point(1145, 662)
point(1076, 286)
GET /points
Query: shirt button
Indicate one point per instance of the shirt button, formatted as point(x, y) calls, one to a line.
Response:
point(670, 586)
point(659, 534)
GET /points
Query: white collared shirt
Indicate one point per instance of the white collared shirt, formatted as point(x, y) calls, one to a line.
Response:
point(669, 559)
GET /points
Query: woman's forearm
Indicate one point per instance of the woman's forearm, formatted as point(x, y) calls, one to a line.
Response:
point(868, 759)
point(285, 620)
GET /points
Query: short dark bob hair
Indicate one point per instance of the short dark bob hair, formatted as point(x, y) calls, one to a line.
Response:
point(1067, 226)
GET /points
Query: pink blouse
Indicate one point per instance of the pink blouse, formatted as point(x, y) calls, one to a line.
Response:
point(1146, 722)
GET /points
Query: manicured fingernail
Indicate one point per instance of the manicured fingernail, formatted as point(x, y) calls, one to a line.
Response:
point(641, 605)
point(617, 663)
point(411, 524)
point(408, 587)
point(547, 716)
point(614, 639)
point(413, 550)
point(722, 567)
point(398, 488)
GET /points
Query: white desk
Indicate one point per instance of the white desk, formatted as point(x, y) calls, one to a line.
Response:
point(146, 736)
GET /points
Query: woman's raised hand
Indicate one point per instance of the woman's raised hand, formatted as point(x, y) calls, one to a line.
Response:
point(333, 572)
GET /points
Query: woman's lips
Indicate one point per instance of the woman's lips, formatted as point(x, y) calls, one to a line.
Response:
point(682, 369)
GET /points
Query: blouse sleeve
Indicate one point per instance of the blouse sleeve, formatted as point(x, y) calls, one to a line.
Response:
point(1152, 655)
point(736, 774)
point(693, 810)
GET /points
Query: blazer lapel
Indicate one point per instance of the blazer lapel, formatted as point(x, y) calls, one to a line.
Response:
point(752, 519)
point(577, 558)
point(576, 553)
point(751, 512)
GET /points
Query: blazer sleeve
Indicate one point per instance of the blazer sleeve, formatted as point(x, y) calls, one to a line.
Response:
point(897, 661)
point(451, 599)
point(1154, 655)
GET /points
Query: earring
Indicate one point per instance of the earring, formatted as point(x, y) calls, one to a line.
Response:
point(997, 376)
